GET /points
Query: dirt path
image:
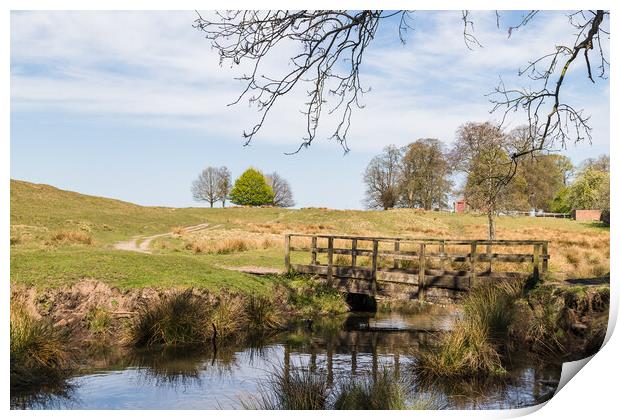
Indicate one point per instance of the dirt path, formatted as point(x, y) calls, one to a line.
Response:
point(142, 243)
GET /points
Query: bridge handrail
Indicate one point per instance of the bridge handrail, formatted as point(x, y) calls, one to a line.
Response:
point(539, 257)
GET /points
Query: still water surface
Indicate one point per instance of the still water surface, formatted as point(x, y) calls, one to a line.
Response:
point(360, 344)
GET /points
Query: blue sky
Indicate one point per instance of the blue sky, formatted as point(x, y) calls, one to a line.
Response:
point(132, 105)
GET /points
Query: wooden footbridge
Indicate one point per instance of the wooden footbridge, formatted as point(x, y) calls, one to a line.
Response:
point(408, 268)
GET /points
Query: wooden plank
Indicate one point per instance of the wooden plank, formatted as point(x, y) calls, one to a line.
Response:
point(353, 253)
point(313, 250)
point(330, 259)
point(422, 272)
point(287, 252)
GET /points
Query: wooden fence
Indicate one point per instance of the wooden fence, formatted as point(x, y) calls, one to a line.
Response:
point(424, 263)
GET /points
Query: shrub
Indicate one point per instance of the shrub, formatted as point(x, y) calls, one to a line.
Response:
point(250, 189)
point(38, 351)
point(180, 319)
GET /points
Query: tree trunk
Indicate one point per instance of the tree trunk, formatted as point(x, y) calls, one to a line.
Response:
point(211, 203)
point(490, 216)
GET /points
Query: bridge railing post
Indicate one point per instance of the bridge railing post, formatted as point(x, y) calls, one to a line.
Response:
point(313, 250)
point(422, 272)
point(375, 254)
point(287, 253)
point(330, 259)
point(536, 261)
point(473, 258)
point(545, 261)
point(396, 251)
point(353, 253)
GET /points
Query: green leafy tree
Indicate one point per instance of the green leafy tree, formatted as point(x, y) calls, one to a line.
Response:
point(250, 189)
point(590, 190)
point(425, 172)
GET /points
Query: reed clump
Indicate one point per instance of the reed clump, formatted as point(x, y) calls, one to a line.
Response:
point(473, 347)
point(263, 314)
point(385, 392)
point(179, 319)
point(39, 351)
point(297, 389)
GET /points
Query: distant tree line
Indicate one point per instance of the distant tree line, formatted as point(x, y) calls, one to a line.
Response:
point(415, 176)
point(252, 188)
point(419, 175)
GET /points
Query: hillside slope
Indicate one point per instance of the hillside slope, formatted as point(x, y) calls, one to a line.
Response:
point(61, 236)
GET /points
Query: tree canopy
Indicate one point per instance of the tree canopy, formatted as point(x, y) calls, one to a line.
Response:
point(251, 189)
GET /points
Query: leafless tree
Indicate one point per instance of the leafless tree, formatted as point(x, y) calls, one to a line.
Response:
point(550, 118)
point(211, 185)
point(332, 43)
point(382, 179)
point(224, 184)
point(283, 195)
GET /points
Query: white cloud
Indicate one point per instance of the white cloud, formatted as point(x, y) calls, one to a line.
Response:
point(154, 66)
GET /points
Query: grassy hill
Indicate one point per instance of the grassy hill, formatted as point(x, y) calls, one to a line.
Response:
point(59, 237)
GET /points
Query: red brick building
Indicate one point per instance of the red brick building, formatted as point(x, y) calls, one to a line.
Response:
point(461, 206)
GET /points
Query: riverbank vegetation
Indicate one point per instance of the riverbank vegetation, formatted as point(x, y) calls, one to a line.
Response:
point(301, 389)
point(555, 323)
point(39, 352)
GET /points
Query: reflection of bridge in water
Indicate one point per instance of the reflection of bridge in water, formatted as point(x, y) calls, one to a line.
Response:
point(358, 347)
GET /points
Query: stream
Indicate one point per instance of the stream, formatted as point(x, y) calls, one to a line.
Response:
point(358, 344)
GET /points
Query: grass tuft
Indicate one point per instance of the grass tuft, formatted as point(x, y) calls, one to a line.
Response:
point(385, 392)
point(72, 237)
point(39, 353)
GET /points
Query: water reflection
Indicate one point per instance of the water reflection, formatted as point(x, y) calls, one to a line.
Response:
point(357, 345)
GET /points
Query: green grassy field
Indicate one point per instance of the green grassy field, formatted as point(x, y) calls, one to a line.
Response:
point(59, 237)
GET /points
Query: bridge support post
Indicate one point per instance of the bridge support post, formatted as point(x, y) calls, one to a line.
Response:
point(330, 259)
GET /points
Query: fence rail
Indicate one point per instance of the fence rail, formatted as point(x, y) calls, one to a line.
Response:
point(423, 263)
